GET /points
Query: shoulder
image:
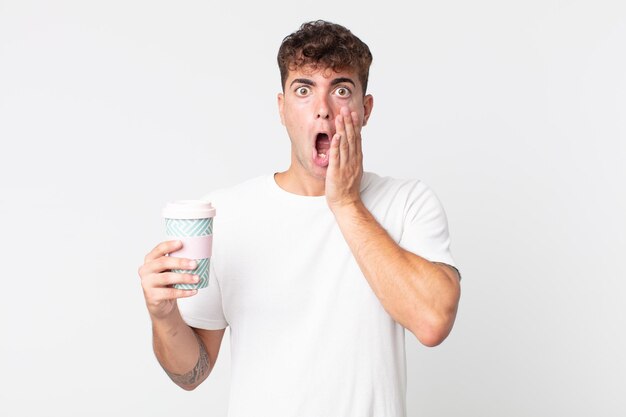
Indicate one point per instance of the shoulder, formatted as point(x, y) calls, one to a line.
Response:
point(240, 192)
point(242, 200)
point(412, 198)
point(376, 185)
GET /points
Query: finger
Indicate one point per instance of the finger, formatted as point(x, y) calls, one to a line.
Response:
point(358, 140)
point(350, 129)
point(165, 263)
point(343, 142)
point(162, 249)
point(161, 294)
point(333, 157)
point(356, 122)
point(170, 278)
point(340, 126)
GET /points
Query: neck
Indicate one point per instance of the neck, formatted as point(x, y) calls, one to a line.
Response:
point(302, 184)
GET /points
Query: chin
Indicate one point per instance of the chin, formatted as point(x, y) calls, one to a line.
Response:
point(319, 172)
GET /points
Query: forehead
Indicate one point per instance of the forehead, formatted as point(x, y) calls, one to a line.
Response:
point(322, 74)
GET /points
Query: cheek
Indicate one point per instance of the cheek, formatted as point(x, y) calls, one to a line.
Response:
point(353, 106)
point(300, 114)
point(360, 114)
point(295, 111)
point(294, 119)
point(294, 123)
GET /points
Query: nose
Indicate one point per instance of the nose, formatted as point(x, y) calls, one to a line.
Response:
point(323, 109)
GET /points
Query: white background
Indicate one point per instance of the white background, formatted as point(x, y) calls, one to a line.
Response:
point(513, 112)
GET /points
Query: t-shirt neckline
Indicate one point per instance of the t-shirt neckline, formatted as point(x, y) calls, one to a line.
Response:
point(284, 194)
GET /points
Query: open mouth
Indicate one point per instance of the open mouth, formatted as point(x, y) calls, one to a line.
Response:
point(322, 145)
point(322, 149)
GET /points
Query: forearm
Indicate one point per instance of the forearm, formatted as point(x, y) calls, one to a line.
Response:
point(418, 294)
point(180, 351)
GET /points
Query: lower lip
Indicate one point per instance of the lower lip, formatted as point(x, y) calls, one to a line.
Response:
point(320, 161)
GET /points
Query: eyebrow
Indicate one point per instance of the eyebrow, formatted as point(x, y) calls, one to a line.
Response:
point(342, 80)
point(336, 81)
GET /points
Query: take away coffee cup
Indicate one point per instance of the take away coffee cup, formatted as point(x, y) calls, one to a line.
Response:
point(191, 222)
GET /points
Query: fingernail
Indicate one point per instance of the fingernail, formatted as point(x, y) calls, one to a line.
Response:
point(192, 264)
point(196, 278)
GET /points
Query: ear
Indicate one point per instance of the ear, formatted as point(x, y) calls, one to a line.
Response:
point(368, 105)
point(281, 107)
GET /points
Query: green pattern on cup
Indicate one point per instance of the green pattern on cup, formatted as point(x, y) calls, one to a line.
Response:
point(202, 270)
point(189, 227)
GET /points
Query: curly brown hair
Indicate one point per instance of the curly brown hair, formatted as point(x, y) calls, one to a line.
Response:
point(324, 45)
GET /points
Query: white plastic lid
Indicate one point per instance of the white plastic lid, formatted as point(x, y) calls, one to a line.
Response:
point(188, 209)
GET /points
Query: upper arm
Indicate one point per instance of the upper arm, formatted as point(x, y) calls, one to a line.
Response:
point(425, 226)
point(212, 340)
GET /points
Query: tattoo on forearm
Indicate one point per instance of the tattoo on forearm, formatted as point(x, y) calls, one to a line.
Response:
point(197, 373)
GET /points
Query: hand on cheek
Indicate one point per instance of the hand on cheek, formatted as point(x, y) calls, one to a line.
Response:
point(345, 166)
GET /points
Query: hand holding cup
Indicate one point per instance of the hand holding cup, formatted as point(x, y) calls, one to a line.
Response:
point(178, 268)
point(157, 278)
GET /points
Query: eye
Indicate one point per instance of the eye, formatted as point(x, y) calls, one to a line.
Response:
point(343, 92)
point(303, 91)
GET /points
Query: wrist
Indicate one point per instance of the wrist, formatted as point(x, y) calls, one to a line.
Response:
point(347, 208)
point(168, 324)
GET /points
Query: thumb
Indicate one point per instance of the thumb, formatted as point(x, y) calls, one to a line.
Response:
point(333, 157)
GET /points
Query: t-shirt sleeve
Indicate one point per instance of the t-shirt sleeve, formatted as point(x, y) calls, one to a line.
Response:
point(425, 228)
point(204, 310)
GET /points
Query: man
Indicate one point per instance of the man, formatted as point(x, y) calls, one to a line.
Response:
point(317, 270)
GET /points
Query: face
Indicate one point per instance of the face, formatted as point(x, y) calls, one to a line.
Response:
point(308, 107)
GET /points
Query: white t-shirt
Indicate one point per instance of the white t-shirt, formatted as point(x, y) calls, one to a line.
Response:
point(308, 336)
